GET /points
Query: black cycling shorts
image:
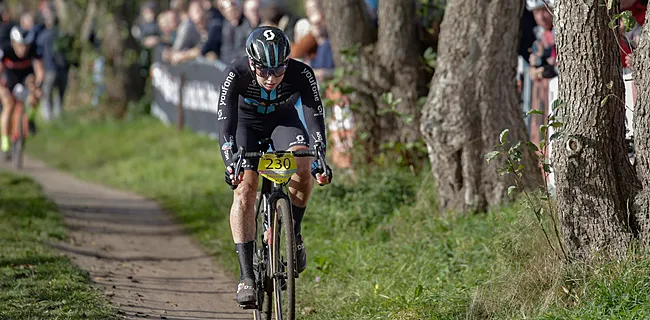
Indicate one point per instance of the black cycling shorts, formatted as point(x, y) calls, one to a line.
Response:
point(283, 126)
point(14, 78)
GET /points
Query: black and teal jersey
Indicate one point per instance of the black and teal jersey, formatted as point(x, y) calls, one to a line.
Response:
point(240, 90)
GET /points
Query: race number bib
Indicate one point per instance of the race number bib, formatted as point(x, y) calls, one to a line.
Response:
point(277, 168)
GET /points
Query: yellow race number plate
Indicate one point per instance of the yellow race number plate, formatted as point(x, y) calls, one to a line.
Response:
point(277, 168)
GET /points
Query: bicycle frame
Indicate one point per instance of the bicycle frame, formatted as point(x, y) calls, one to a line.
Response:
point(269, 195)
point(272, 197)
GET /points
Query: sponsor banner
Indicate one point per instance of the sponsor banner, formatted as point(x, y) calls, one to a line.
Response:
point(202, 79)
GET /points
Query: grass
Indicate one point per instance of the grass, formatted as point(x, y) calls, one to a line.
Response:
point(35, 281)
point(377, 248)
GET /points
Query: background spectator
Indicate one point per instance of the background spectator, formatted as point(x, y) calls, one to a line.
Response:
point(56, 70)
point(524, 83)
point(543, 51)
point(276, 15)
point(146, 30)
point(235, 31)
point(307, 47)
point(212, 12)
point(180, 6)
point(6, 23)
point(630, 39)
point(187, 36)
point(252, 12)
point(167, 24)
point(341, 128)
point(196, 36)
point(323, 61)
point(148, 35)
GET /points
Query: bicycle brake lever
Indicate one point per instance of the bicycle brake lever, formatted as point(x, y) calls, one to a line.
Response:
point(321, 159)
point(238, 164)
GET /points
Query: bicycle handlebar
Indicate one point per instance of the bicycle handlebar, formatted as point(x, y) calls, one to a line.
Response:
point(317, 152)
point(297, 154)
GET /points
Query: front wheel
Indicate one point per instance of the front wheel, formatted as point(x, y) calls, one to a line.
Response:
point(283, 263)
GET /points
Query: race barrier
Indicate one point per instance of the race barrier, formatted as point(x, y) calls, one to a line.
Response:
point(187, 94)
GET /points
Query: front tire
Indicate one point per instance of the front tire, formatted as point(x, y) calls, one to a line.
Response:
point(283, 267)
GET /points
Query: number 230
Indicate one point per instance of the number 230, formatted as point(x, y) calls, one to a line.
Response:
point(279, 164)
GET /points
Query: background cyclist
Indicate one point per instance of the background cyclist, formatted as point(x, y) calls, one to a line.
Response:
point(20, 64)
point(257, 101)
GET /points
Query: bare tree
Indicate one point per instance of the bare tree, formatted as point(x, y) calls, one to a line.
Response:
point(387, 61)
point(595, 181)
point(122, 75)
point(471, 100)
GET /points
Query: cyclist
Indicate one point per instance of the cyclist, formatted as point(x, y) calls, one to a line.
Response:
point(21, 65)
point(257, 101)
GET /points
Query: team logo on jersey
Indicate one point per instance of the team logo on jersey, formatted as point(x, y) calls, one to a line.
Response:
point(225, 87)
point(312, 83)
point(227, 145)
point(320, 111)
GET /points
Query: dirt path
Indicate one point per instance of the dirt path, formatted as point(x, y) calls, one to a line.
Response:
point(147, 266)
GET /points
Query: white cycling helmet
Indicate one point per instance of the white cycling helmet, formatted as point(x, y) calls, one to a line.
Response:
point(537, 4)
point(18, 35)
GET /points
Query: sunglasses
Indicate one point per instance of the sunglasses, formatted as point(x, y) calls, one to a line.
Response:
point(265, 72)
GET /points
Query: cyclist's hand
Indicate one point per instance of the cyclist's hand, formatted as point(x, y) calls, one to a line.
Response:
point(323, 177)
point(230, 177)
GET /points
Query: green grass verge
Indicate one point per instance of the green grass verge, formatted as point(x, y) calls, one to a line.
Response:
point(35, 281)
point(377, 248)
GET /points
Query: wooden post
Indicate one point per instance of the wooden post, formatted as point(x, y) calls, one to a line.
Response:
point(179, 117)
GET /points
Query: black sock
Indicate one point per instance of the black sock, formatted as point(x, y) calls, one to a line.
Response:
point(298, 213)
point(245, 255)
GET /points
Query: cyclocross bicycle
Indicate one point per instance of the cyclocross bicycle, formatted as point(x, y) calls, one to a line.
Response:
point(20, 126)
point(275, 246)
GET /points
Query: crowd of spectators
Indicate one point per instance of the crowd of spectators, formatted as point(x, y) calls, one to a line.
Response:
point(217, 30)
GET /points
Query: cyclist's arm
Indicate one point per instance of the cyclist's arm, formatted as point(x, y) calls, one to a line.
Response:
point(227, 112)
point(312, 106)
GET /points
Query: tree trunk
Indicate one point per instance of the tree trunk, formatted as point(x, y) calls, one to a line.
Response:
point(349, 25)
point(451, 121)
point(642, 133)
point(122, 77)
point(471, 101)
point(398, 30)
point(594, 178)
point(498, 99)
point(389, 64)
